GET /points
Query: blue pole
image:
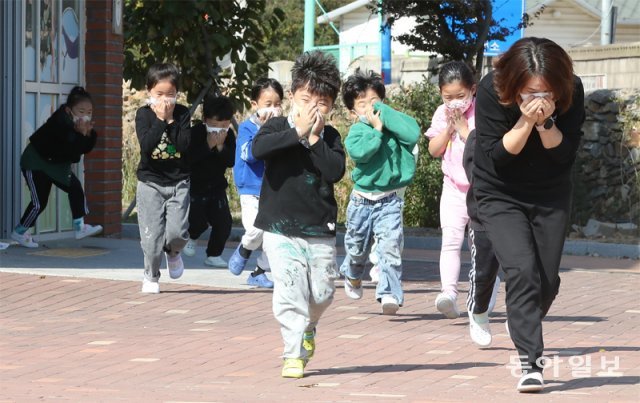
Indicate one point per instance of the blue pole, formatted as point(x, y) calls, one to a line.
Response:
point(309, 24)
point(385, 48)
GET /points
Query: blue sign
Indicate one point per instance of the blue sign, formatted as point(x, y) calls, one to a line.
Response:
point(508, 13)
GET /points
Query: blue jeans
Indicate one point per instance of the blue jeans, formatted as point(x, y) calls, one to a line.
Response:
point(382, 220)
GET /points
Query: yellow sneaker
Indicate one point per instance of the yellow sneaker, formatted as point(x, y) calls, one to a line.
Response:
point(309, 343)
point(293, 368)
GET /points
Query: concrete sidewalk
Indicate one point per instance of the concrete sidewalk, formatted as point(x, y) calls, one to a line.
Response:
point(412, 240)
point(74, 326)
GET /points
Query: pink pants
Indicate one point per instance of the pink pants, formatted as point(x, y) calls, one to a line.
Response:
point(453, 220)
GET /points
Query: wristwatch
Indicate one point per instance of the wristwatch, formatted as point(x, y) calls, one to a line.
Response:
point(547, 124)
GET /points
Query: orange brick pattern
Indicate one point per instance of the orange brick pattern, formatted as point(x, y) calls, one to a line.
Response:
point(85, 339)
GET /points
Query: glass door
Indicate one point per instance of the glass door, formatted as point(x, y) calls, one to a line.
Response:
point(52, 60)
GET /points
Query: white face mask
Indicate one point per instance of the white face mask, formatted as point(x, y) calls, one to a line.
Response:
point(274, 110)
point(154, 101)
point(462, 104)
point(363, 119)
point(85, 118)
point(535, 94)
point(212, 129)
point(294, 110)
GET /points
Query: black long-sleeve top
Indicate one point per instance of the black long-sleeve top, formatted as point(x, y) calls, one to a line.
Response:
point(296, 198)
point(208, 165)
point(536, 173)
point(163, 146)
point(57, 140)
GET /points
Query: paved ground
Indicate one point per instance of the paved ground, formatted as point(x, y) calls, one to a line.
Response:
point(78, 329)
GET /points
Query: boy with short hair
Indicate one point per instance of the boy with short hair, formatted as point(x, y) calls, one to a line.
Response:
point(298, 210)
point(381, 143)
point(211, 153)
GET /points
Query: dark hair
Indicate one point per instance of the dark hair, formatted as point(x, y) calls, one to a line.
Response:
point(531, 57)
point(77, 95)
point(358, 83)
point(162, 71)
point(220, 108)
point(456, 71)
point(263, 84)
point(317, 71)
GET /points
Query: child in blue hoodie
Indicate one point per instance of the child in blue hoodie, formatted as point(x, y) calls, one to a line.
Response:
point(266, 102)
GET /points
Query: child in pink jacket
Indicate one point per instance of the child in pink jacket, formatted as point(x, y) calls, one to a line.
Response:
point(451, 124)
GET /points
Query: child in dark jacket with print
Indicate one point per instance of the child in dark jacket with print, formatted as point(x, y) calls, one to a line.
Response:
point(298, 210)
point(164, 133)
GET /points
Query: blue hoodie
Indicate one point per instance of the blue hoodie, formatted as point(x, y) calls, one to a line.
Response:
point(248, 171)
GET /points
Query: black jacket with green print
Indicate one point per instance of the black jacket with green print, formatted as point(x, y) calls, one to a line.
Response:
point(163, 147)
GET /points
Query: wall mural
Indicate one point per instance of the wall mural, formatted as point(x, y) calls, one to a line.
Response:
point(70, 45)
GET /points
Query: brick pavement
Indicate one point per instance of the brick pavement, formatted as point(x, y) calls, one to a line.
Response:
point(84, 339)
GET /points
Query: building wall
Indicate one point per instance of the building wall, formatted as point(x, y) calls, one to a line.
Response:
point(360, 26)
point(569, 25)
point(610, 66)
point(103, 69)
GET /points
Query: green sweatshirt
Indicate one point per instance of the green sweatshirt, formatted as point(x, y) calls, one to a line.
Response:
point(384, 160)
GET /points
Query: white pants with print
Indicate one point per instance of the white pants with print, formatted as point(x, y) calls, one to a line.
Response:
point(304, 271)
point(252, 238)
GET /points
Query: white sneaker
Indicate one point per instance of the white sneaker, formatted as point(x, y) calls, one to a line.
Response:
point(150, 287)
point(446, 305)
point(25, 239)
point(215, 261)
point(389, 305)
point(190, 248)
point(531, 382)
point(88, 230)
point(175, 266)
point(479, 329)
point(375, 274)
point(494, 295)
point(353, 288)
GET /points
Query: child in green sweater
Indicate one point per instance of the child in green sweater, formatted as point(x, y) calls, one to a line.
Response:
point(380, 143)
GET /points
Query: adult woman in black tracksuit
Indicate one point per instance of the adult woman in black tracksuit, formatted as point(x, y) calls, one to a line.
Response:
point(529, 116)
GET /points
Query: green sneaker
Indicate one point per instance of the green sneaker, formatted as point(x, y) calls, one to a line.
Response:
point(293, 368)
point(309, 343)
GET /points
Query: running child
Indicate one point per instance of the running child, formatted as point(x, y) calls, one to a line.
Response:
point(266, 102)
point(162, 195)
point(211, 152)
point(298, 210)
point(381, 143)
point(61, 141)
point(450, 126)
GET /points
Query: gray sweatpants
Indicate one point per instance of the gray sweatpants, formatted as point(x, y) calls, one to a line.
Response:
point(163, 219)
point(304, 271)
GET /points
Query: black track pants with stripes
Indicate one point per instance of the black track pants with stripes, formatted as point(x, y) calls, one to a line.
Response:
point(39, 184)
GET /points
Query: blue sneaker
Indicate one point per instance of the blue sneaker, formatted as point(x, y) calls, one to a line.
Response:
point(237, 263)
point(261, 280)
